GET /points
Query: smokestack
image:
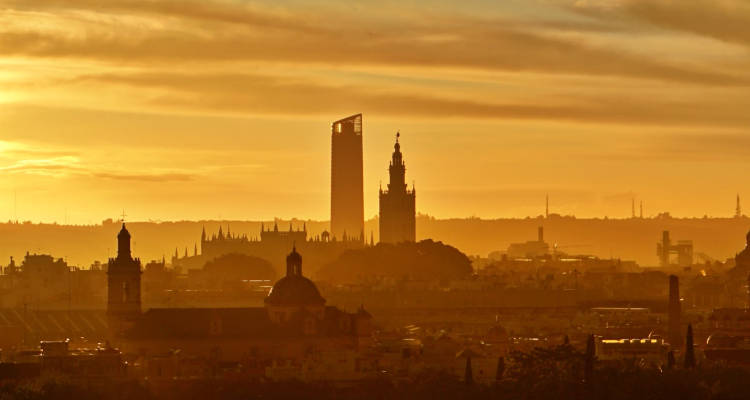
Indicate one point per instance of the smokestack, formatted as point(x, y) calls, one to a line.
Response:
point(540, 234)
point(664, 249)
point(675, 312)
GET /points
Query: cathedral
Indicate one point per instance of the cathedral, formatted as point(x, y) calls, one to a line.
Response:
point(397, 204)
point(294, 322)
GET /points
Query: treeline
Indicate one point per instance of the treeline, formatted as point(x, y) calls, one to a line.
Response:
point(557, 373)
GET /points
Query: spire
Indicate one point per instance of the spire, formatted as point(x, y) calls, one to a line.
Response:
point(738, 212)
point(397, 169)
point(546, 208)
point(203, 234)
point(221, 233)
point(123, 243)
point(632, 208)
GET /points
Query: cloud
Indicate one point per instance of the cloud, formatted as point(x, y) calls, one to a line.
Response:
point(465, 42)
point(724, 20)
point(719, 19)
point(72, 166)
point(266, 94)
point(159, 177)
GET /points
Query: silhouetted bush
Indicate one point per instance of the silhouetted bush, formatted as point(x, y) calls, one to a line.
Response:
point(238, 267)
point(425, 260)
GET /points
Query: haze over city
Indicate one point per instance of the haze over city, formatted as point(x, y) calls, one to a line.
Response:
point(220, 109)
point(236, 199)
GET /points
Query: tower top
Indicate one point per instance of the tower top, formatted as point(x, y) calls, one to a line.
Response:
point(294, 262)
point(123, 243)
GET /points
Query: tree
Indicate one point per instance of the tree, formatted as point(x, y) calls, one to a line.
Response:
point(426, 261)
point(689, 350)
point(500, 369)
point(230, 270)
point(590, 354)
point(670, 359)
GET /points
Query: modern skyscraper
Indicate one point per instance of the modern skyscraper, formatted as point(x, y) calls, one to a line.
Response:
point(397, 204)
point(347, 192)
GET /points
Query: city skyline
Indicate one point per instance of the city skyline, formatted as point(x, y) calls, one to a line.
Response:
point(222, 109)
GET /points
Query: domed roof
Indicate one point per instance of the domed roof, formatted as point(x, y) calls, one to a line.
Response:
point(123, 232)
point(294, 290)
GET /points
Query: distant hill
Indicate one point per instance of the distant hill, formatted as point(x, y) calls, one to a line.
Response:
point(633, 239)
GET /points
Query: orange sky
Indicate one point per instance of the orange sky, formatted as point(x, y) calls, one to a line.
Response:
point(222, 109)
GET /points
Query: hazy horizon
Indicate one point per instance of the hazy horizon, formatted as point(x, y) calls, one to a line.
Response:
point(222, 109)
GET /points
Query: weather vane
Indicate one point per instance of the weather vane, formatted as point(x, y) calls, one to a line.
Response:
point(123, 215)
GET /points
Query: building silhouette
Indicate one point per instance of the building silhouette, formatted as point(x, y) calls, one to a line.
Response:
point(683, 249)
point(347, 191)
point(123, 285)
point(397, 203)
point(294, 323)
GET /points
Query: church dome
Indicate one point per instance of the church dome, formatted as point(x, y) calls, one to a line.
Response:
point(294, 290)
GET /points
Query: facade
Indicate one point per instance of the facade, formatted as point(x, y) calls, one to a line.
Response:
point(652, 350)
point(530, 249)
point(347, 191)
point(397, 204)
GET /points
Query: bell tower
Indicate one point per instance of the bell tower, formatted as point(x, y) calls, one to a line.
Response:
point(397, 203)
point(123, 286)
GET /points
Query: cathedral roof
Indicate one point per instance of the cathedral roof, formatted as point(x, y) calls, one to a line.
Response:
point(294, 290)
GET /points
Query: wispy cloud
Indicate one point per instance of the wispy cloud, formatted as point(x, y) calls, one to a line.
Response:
point(268, 94)
point(62, 166)
point(267, 36)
